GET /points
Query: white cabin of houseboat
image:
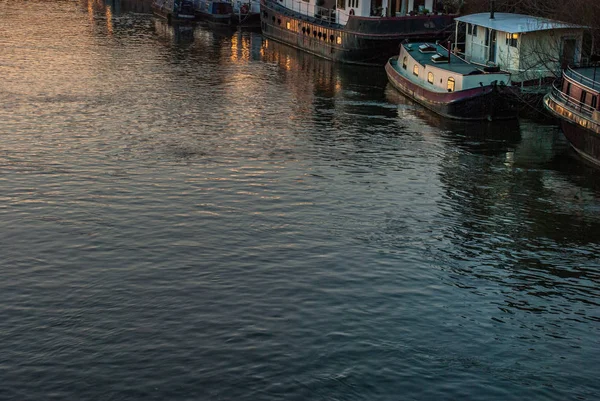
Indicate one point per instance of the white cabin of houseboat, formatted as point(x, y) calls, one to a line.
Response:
point(532, 49)
point(339, 11)
point(432, 67)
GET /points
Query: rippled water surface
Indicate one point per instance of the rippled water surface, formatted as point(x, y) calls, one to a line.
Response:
point(198, 214)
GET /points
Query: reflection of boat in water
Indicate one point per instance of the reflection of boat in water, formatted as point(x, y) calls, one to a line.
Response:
point(480, 137)
point(174, 10)
point(575, 103)
point(177, 33)
point(448, 85)
point(349, 31)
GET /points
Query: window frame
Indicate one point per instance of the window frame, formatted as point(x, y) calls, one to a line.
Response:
point(430, 77)
point(451, 88)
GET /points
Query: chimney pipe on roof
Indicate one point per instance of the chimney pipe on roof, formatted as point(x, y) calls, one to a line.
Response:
point(492, 8)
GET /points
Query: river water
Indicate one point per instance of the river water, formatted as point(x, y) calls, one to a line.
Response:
point(198, 214)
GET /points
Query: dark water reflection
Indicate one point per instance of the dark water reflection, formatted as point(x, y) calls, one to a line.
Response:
point(190, 213)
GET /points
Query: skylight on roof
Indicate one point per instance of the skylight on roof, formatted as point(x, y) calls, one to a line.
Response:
point(427, 48)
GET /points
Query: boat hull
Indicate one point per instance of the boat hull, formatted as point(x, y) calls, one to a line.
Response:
point(585, 142)
point(223, 19)
point(365, 41)
point(491, 102)
point(248, 21)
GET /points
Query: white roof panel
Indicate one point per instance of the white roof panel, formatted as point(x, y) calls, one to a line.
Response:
point(515, 23)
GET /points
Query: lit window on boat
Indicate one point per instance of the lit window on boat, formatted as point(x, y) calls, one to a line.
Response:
point(430, 77)
point(339, 40)
point(404, 62)
point(512, 39)
point(341, 4)
point(416, 70)
point(450, 84)
point(287, 25)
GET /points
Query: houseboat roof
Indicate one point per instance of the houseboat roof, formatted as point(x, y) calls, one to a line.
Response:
point(515, 23)
point(456, 64)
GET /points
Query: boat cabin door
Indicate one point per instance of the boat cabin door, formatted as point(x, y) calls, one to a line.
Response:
point(490, 41)
point(569, 46)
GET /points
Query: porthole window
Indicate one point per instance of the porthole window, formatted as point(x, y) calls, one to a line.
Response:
point(450, 84)
point(430, 77)
point(416, 70)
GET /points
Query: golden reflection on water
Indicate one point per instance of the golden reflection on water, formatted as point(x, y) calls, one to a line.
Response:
point(240, 48)
point(90, 9)
point(109, 22)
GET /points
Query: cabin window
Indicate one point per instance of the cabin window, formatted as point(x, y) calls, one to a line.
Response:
point(430, 77)
point(353, 3)
point(568, 90)
point(404, 62)
point(416, 70)
point(469, 29)
point(341, 4)
point(594, 102)
point(287, 25)
point(339, 40)
point(512, 39)
point(450, 84)
point(583, 96)
point(475, 30)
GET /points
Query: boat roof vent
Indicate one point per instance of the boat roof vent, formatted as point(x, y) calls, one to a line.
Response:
point(439, 58)
point(427, 48)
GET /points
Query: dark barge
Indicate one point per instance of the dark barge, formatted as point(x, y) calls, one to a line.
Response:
point(349, 31)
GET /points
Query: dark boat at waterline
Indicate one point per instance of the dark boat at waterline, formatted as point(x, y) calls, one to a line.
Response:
point(575, 103)
point(350, 33)
point(450, 86)
point(215, 11)
point(174, 10)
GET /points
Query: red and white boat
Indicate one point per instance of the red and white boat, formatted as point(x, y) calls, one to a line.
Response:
point(574, 101)
point(431, 75)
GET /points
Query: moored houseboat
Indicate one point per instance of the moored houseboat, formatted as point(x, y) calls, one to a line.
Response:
point(351, 31)
point(532, 49)
point(215, 11)
point(174, 10)
point(574, 101)
point(429, 74)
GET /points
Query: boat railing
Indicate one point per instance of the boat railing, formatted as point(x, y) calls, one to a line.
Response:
point(327, 15)
point(582, 79)
point(570, 102)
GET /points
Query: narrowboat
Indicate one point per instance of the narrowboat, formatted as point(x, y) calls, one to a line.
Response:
point(174, 10)
point(366, 32)
point(574, 101)
point(215, 11)
point(431, 75)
